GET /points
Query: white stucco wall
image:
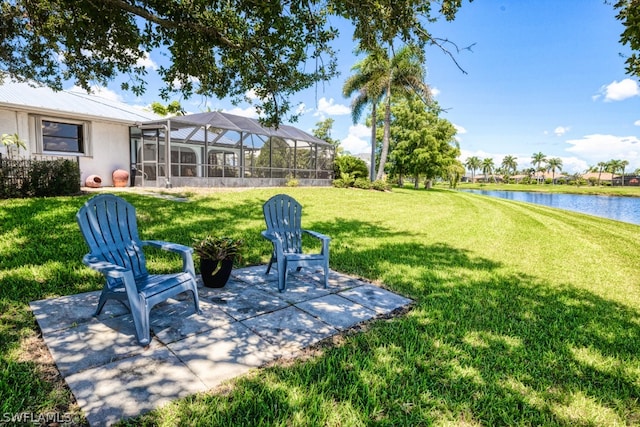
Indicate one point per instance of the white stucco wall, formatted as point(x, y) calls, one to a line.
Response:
point(15, 122)
point(109, 143)
point(110, 151)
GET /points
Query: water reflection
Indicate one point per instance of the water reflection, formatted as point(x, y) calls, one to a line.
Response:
point(626, 209)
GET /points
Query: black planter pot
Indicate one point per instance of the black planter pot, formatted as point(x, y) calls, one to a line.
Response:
point(218, 280)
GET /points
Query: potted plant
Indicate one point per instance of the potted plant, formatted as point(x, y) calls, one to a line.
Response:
point(217, 255)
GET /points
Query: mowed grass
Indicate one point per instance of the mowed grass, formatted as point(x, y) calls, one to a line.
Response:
point(523, 315)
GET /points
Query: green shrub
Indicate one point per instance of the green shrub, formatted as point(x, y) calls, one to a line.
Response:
point(362, 183)
point(381, 185)
point(39, 178)
point(348, 164)
point(292, 182)
point(339, 183)
point(526, 180)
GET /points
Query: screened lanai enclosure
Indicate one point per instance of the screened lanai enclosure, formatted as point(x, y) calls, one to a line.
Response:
point(219, 149)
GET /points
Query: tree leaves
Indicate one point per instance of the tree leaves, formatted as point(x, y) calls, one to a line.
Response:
point(215, 48)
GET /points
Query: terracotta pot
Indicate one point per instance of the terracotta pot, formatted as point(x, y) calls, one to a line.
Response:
point(93, 181)
point(120, 178)
point(218, 280)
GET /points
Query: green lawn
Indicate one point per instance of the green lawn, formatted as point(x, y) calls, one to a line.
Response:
point(524, 315)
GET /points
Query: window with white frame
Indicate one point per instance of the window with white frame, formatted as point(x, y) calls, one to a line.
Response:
point(62, 136)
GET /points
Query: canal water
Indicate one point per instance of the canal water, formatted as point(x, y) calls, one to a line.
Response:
point(626, 209)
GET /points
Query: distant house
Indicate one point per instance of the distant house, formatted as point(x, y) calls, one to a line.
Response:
point(204, 149)
point(595, 176)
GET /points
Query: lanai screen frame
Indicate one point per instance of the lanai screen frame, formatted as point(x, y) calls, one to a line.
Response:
point(296, 154)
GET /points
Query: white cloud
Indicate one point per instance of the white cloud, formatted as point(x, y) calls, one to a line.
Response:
point(561, 130)
point(244, 112)
point(618, 91)
point(637, 123)
point(600, 148)
point(329, 107)
point(461, 130)
point(251, 94)
point(147, 62)
point(435, 92)
point(358, 140)
point(573, 165)
point(301, 108)
point(100, 91)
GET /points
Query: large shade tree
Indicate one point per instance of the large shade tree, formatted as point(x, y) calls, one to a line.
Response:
point(424, 143)
point(224, 49)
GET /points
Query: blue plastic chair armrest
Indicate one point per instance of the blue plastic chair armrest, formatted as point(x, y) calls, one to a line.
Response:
point(317, 235)
point(184, 251)
point(104, 267)
point(273, 238)
point(168, 246)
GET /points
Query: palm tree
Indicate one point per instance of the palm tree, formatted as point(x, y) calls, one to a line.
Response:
point(510, 165)
point(613, 166)
point(537, 159)
point(380, 77)
point(368, 82)
point(623, 165)
point(473, 163)
point(601, 167)
point(487, 168)
point(554, 164)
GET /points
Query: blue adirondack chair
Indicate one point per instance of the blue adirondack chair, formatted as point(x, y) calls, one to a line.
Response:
point(283, 215)
point(108, 224)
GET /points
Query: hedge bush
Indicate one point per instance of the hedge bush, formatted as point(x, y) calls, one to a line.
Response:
point(38, 178)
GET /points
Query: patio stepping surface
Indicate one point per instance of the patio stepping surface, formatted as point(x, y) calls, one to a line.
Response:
point(242, 326)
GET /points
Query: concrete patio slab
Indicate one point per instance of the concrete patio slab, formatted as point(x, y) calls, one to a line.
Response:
point(242, 326)
point(290, 329)
point(131, 386)
point(224, 353)
point(337, 311)
point(64, 312)
point(375, 298)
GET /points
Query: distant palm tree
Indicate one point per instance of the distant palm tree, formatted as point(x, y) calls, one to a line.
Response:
point(623, 165)
point(473, 163)
point(601, 166)
point(510, 165)
point(613, 166)
point(537, 159)
point(487, 168)
point(554, 164)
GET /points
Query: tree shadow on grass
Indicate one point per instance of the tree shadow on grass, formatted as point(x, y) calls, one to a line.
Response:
point(483, 347)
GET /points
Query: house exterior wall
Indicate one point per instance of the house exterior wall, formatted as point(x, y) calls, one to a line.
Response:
point(110, 151)
point(108, 143)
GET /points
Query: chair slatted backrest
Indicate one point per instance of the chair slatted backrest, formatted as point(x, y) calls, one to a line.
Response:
point(283, 215)
point(108, 224)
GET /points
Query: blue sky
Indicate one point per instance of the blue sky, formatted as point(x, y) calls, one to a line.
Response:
point(542, 76)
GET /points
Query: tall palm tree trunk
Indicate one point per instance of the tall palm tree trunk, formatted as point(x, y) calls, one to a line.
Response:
point(386, 136)
point(372, 169)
